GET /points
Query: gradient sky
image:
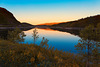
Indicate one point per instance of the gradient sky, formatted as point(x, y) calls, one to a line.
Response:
point(46, 11)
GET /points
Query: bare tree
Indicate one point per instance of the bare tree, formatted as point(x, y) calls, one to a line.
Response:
point(35, 35)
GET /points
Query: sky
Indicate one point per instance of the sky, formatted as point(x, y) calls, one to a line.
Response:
point(47, 11)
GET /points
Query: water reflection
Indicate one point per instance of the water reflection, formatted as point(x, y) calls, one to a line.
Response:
point(60, 40)
point(89, 49)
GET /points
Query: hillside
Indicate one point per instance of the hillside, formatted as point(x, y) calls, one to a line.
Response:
point(93, 20)
point(24, 24)
point(7, 19)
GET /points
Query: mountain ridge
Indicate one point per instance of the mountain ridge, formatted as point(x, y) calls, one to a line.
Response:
point(93, 20)
point(7, 19)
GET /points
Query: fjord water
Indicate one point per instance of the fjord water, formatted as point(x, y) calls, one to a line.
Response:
point(57, 39)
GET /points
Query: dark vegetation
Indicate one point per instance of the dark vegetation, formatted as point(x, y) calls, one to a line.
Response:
point(89, 45)
point(15, 54)
point(20, 55)
point(81, 23)
point(3, 34)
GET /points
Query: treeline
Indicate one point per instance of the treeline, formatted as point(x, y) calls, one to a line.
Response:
point(93, 20)
point(15, 54)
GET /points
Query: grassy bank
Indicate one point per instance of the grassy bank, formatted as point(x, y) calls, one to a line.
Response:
point(18, 55)
point(15, 54)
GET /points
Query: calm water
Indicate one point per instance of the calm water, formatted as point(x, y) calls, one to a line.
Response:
point(60, 40)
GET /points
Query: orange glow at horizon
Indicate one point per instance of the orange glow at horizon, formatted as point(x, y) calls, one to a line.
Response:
point(46, 19)
point(45, 11)
point(45, 31)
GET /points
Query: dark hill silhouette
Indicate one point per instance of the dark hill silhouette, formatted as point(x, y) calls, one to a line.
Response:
point(7, 18)
point(24, 24)
point(93, 20)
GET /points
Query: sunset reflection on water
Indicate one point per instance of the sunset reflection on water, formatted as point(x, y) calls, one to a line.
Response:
point(60, 40)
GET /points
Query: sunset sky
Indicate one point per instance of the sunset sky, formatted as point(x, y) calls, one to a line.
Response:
point(46, 11)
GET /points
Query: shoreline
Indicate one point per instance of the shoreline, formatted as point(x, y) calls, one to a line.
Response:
point(69, 28)
point(17, 27)
point(65, 28)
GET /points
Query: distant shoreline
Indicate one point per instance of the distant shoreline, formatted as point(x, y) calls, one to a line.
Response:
point(17, 27)
point(70, 28)
point(74, 28)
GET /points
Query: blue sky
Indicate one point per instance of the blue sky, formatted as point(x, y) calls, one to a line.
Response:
point(46, 11)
